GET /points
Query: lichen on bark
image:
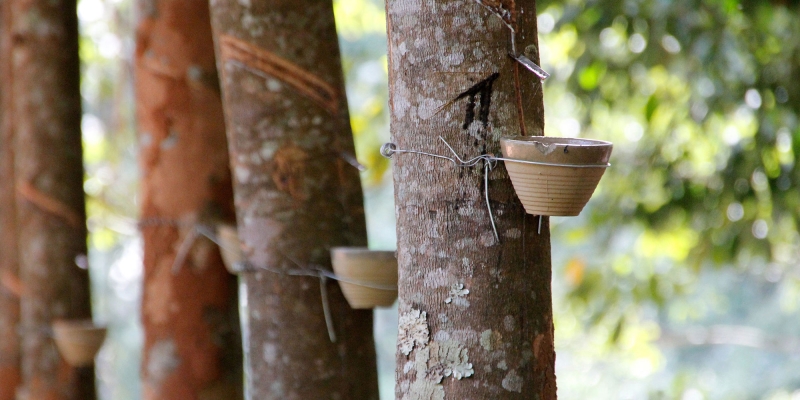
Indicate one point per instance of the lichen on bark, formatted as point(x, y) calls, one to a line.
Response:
point(287, 124)
point(413, 331)
point(451, 77)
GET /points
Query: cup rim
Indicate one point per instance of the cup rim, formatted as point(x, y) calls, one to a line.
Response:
point(572, 142)
point(361, 251)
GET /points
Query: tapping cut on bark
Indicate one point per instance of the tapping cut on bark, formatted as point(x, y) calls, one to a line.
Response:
point(502, 8)
point(273, 65)
point(46, 203)
point(486, 299)
point(482, 88)
point(296, 197)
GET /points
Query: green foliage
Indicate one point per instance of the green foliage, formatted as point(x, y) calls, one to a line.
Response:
point(695, 223)
point(700, 99)
point(362, 36)
point(696, 97)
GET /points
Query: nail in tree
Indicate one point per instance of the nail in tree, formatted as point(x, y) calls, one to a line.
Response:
point(475, 311)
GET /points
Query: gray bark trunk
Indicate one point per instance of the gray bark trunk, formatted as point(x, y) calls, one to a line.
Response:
point(475, 313)
point(46, 105)
point(10, 373)
point(287, 123)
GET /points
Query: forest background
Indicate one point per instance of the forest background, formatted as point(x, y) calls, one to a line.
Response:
point(680, 280)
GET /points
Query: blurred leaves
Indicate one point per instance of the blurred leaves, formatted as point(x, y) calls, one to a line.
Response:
point(696, 97)
point(700, 99)
point(362, 36)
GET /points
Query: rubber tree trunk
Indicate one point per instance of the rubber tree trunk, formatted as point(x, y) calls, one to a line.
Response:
point(51, 216)
point(10, 373)
point(475, 313)
point(296, 197)
point(189, 308)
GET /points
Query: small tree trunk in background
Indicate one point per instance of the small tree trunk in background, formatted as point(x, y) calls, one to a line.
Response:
point(189, 308)
point(10, 373)
point(296, 197)
point(51, 216)
point(475, 314)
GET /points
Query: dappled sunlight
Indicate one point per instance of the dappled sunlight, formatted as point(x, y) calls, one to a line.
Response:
point(679, 280)
point(698, 213)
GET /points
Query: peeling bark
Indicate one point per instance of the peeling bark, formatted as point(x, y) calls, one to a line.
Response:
point(46, 107)
point(189, 305)
point(488, 303)
point(287, 124)
point(10, 373)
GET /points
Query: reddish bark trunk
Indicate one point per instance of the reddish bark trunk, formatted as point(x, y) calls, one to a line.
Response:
point(46, 107)
point(287, 123)
point(10, 373)
point(475, 313)
point(192, 348)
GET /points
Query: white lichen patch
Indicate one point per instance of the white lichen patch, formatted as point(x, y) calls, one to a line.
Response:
point(448, 358)
point(527, 354)
point(441, 335)
point(453, 59)
point(464, 243)
point(428, 107)
point(467, 267)
point(408, 366)
point(487, 238)
point(491, 340)
point(513, 233)
point(162, 359)
point(274, 85)
point(242, 174)
point(512, 382)
point(413, 331)
point(437, 278)
point(276, 389)
point(457, 294)
point(509, 323)
point(423, 388)
point(267, 150)
point(468, 337)
point(496, 274)
point(145, 139)
point(270, 352)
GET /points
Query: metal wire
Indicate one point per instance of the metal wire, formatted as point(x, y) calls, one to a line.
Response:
point(311, 270)
point(326, 308)
point(389, 149)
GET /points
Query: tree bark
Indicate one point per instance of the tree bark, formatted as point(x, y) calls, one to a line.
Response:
point(46, 107)
point(287, 125)
point(475, 314)
point(10, 373)
point(189, 308)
